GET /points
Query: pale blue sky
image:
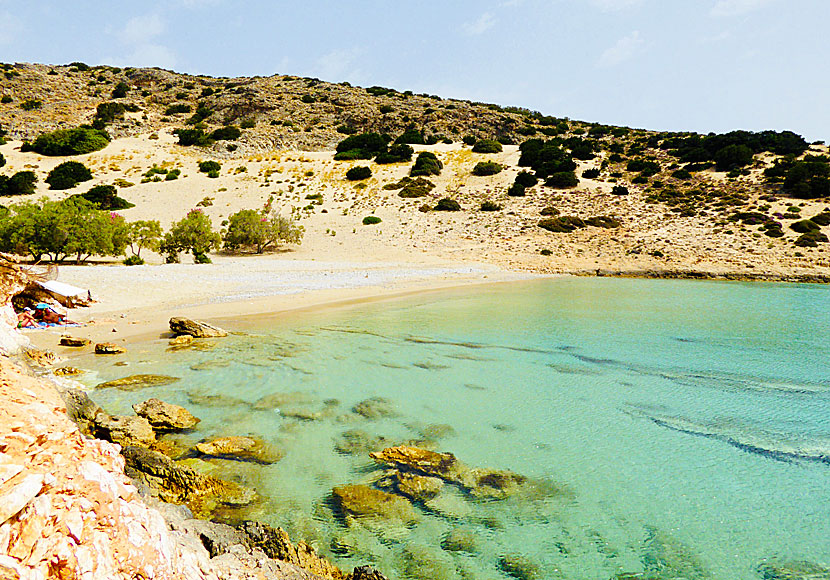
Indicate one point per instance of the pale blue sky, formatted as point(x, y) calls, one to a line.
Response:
point(706, 65)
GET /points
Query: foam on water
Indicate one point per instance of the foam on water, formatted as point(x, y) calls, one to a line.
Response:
point(674, 428)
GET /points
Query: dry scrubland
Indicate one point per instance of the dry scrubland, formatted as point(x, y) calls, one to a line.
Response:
point(285, 151)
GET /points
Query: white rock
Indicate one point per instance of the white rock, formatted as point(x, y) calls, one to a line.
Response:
point(21, 494)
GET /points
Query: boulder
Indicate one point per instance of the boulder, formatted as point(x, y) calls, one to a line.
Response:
point(431, 463)
point(417, 487)
point(124, 430)
point(366, 573)
point(493, 483)
point(165, 416)
point(181, 340)
point(240, 448)
point(67, 372)
point(109, 348)
point(195, 328)
point(175, 483)
point(74, 342)
point(458, 540)
point(360, 501)
point(81, 409)
point(136, 382)
point(375, 408)
point(519, 567)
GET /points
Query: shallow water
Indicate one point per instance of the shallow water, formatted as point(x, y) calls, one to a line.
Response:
point(684, 427)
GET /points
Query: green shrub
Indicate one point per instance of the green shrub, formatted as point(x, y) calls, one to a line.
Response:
point(811, 239)
point(260, 230)
point(202, 112)
point(188, 137)
point(30, 105)
point(172, 175)
point(227, 133)
point(526, 179)
point(67, 175)
point(2, 160)
point(346, 129)
point(426, 164)
point(371, 220)
point(487, 146)
point(6, 99)
point(485, 168)
point(107, 113)
point(177, 109)
point(358, 173)
point(681, 174)
point(822, 219)
point(592, 173)
point(69, 142)
point(248, 123)
point(412, 137)
point(619, 190)
point(397, 153)
point(105, 197)
point(120, 90)
point(732, 157)
point(804, 226)
point(516, 190)
point(362, 146)
point(209, 166)
point(488, 205)
point(133, 261)
point(562, 180)
point(447, 204)
point(418, 187)
point(561, 224)
point(469, 140)
point(21, 183)
point(386, 109)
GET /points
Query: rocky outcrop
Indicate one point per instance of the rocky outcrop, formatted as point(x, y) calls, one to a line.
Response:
point(240, 448)
point(123, 429)
point(109, 348)
point(74, 342)
point(165, 416)
point(81, 409)
point(136, 382)
point(195, 328)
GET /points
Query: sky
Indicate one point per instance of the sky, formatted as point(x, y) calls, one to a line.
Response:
point(696, 65)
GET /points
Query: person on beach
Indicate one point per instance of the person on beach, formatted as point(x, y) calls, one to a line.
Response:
point(46, 313)
point(25, 319)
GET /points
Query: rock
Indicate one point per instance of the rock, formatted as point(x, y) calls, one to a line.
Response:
point(302, 414)
point(493, 483)
point(520, 567)
point(136, 382)
point(81, 409)
point(195, 328)
point(124, 430)
point(357, 442)
point(417, 487)
point(207, 400)
point(437, 431)
point(798, 570)
point(67, 372)
point(277, 545)
point(217, 538)
point(165, 416)
point(366, 573)
point(209, 365)
point(181, 340)
point(458, 540)
point(175, 483)
point(41, 358)
point(278, 400)
point(16, 498)
point(425, 563)
point(375, 408)
point(109, 348)
point(407, 458)
point(240, 448)
point(361, 501)
point(67, 340)
point(449, 504)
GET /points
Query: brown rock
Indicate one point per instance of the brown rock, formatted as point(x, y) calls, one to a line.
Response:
point(136, 382)
point(67, 372)
point(407, 458)
point(81, 409)
point(42, 358)
point(109, 348)
point(375, 408)
point(74, 342)
point(195, 328)
point(124, 430)
point(181, 340)
point(16, 498)
point(240, 448)
point(165, 416)
point(494, 483)
point(362, 501)
point(417, 487)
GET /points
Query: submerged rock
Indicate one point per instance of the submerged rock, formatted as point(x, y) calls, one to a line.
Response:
point(181, 340)
point(195, 328)
point(124, 430)
point(109, 348)
point(493, 483)
point(240, 448)
point(798, 570)
point(357, 442)
point(278, 400)
point(367, 573)
point(165, 416)
point(417, 487)
point(407, 458)
point(458, 540)
point(665, 557)
point(375, 408)
point(67, 340)
point(136, 382)
point(519, 567)
point(208, 400)
point(67, 372)
point(426, 563)
point(361, 501)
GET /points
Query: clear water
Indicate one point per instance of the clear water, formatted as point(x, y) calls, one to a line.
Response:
point(686, 424)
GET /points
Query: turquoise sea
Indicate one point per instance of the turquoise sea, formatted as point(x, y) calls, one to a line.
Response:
point(672, 429)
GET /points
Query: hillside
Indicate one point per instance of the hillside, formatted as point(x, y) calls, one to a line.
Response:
point(610, 199)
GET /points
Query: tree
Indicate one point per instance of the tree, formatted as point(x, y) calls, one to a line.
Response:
point(194, 233)
point(106, 197)
point(143, 234)
point(67, 175)
point(209, 167)
point(107, 113)
point(562, 180)
point(260, 230)
point(733, 156)
point(397, 153)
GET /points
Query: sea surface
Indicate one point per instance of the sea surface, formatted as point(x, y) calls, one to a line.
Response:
point(669, 428)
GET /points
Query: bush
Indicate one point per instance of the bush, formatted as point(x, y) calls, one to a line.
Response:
point(592, 173)
point(371, 220)
point(804, 226)
point(227, 133)
point(418, 187)
point(426, 164)
point(21, 183)
point(487, 146)
point(133, 261)
point(107, 113)
point(209, 166)
point(526, 179)
point(485, 168)
point(30, 105)
point(2, 160)
point(6, 99)
point(397, 153)
point(362, 146)
point(194, 233)
point(120, 90)
point(69, 142)
point(619, 190)
point(259, 230)
point(822, 219)
point(562, 224)
point(469, 140)
point(67, 175)
point(549, 211)
point(811, 239)
point(188, 137)
point(248, 123)
point(516, 190)
point(447, 204)
point(732, 157)
point(488, 205)
point(412, 137)
point(177, 109)
point(562, 180)
point(202, 112)
point(358, 173)
point(105, 197)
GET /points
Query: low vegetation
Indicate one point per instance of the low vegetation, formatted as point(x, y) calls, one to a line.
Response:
point(67, 175)
point(69, 142)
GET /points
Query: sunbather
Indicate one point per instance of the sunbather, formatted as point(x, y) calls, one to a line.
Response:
point(46, 313)
point(25, 319)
